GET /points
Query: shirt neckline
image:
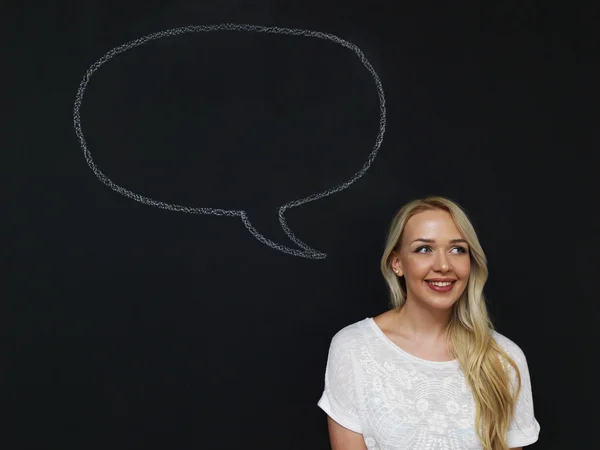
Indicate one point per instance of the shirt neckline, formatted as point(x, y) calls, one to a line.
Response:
point(379, 332)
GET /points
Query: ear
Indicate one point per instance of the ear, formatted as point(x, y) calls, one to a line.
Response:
point(396, 264)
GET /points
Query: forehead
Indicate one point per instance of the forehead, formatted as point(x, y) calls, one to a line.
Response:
point(433, 224)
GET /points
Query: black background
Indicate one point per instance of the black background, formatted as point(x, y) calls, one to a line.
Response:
point(130, 327)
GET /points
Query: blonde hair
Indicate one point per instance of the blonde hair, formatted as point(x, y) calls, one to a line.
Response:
point(470, 329)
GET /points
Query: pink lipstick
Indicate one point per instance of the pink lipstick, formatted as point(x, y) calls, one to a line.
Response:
point(440, 285)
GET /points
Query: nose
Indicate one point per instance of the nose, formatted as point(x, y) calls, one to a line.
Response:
point(441, 263)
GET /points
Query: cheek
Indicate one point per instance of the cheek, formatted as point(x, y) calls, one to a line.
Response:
point(463, 269)
point(417, 267)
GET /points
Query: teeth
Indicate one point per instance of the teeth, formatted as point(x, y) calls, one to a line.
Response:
point(439, 283)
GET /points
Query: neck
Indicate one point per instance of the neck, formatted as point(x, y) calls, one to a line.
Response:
point(423, 324)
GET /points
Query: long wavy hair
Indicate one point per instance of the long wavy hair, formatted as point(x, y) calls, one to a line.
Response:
point(470, 330)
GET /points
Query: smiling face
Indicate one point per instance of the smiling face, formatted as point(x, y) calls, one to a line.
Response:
point(433, 257)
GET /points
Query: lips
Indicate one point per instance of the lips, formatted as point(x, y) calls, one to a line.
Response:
point(441, 280)
point(439, 285)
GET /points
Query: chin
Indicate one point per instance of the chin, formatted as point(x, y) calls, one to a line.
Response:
point(442, 305)
point(440, 302)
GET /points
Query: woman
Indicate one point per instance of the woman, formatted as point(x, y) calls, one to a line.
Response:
point(430, 373)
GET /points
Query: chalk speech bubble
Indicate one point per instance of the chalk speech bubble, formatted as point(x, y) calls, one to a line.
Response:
point(306, 252)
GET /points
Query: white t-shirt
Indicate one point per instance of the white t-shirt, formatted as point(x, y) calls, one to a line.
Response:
point(398, 401)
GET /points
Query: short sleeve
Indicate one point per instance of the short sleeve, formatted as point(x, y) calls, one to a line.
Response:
point(339, 399)
point(524, 428)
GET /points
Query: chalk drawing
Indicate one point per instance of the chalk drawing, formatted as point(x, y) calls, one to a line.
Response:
point(306, 252)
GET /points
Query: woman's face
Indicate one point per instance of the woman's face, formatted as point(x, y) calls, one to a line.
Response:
point(434, 259)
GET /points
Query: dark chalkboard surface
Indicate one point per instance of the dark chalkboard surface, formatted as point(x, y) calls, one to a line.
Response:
point(156, 315)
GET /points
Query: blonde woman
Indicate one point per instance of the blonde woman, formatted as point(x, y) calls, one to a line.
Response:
point(430, 373)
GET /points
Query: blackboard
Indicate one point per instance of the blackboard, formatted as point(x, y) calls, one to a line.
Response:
point(134, 325)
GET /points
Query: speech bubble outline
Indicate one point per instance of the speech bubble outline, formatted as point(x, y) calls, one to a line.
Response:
point(307, 251)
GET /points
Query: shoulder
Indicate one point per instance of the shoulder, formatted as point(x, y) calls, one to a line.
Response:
point(511, 348)
point(350, 335)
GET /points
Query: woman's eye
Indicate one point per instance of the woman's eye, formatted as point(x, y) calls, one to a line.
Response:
point(426, 249)
point(420, 249)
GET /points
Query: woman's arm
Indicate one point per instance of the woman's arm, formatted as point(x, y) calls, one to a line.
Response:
point(344, 439)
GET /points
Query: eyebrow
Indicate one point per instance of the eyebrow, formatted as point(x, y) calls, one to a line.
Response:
point(431, 241)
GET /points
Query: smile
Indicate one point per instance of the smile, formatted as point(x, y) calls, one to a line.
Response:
point(440, 286)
